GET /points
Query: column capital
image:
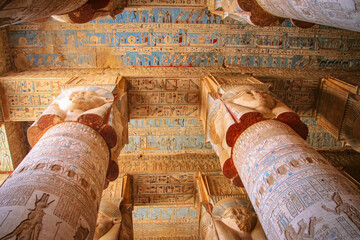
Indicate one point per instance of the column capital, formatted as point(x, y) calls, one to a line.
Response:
point(231, 103)
point(101, 107)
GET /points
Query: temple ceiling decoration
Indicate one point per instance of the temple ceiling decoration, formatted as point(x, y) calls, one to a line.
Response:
point(162, 48)
point(143, 36)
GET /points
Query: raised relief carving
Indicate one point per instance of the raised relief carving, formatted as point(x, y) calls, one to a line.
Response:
point(231, 108)
point(86, 105)
point(109, 220)
point(230, 218)
point(31, 227)
point(291, 234)
point(352, 212)
point(244, 218)
point(253, 99)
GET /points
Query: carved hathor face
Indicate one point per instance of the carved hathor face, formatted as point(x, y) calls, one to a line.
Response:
point(242, 216)
point(109, 215)
point(254, 99)
point(85, 100)
point(103, 224)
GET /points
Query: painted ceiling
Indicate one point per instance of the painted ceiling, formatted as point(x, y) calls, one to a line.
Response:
point(172, 36)
point(162, 47)
point(181, 34)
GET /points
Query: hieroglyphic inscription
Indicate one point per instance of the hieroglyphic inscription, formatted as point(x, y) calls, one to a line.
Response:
point(169, 163)
point(27, 97)
point(25, 84)
point(175, 135)
point(298, 94)
point(165, 36)
point(318, 137)
point(165, 223)
point(174, 189)
point(220, 185)
point(163, 97)
point(5, 155)
point(68, 165)
point(288, 182)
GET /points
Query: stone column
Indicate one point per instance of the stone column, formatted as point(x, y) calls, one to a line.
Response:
point(232, 217)
point(17, 11)
point(296, 193)
point(73, 11)
point(55, 192)
point(342, 14)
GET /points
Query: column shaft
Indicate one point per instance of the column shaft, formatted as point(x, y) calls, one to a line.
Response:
point(342, 13)
point(55, 192)
point(296, 193)
point(16, 11)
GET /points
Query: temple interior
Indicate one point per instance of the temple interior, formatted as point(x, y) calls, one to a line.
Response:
point(159, 53)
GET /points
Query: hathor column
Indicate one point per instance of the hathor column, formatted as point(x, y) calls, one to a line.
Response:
point(55, 192)
point(341, 13)
point(17, 11)
point(296, 193)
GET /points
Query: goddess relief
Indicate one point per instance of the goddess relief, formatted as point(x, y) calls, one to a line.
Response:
point(230, 220)
point(235, 103)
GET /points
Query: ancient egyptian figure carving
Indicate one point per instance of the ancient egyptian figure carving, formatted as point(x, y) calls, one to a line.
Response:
point(291, 234)
point(241, 217)
point(249, 98)
point(30, 228)
point(239, 101)
point(341, 207)
point(109, 220)
point(87, 105)
point(235, 222)
point(72, 103)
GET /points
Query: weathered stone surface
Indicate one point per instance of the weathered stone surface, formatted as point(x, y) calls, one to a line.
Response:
point(341, 14)
point(56, 190)
point(294, 190)
point(18, 11)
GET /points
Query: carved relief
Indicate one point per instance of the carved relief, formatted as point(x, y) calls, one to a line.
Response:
point(218, 43)
point(109, 220)
point(164, 189)
point(31, 227)
point(169, 163)
point(291, 234)
point(351, 211)
point(230, 218)
point(339, 14)
point(295, 182)
point(5, 155)
point(68, 167)
point(231, 110)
